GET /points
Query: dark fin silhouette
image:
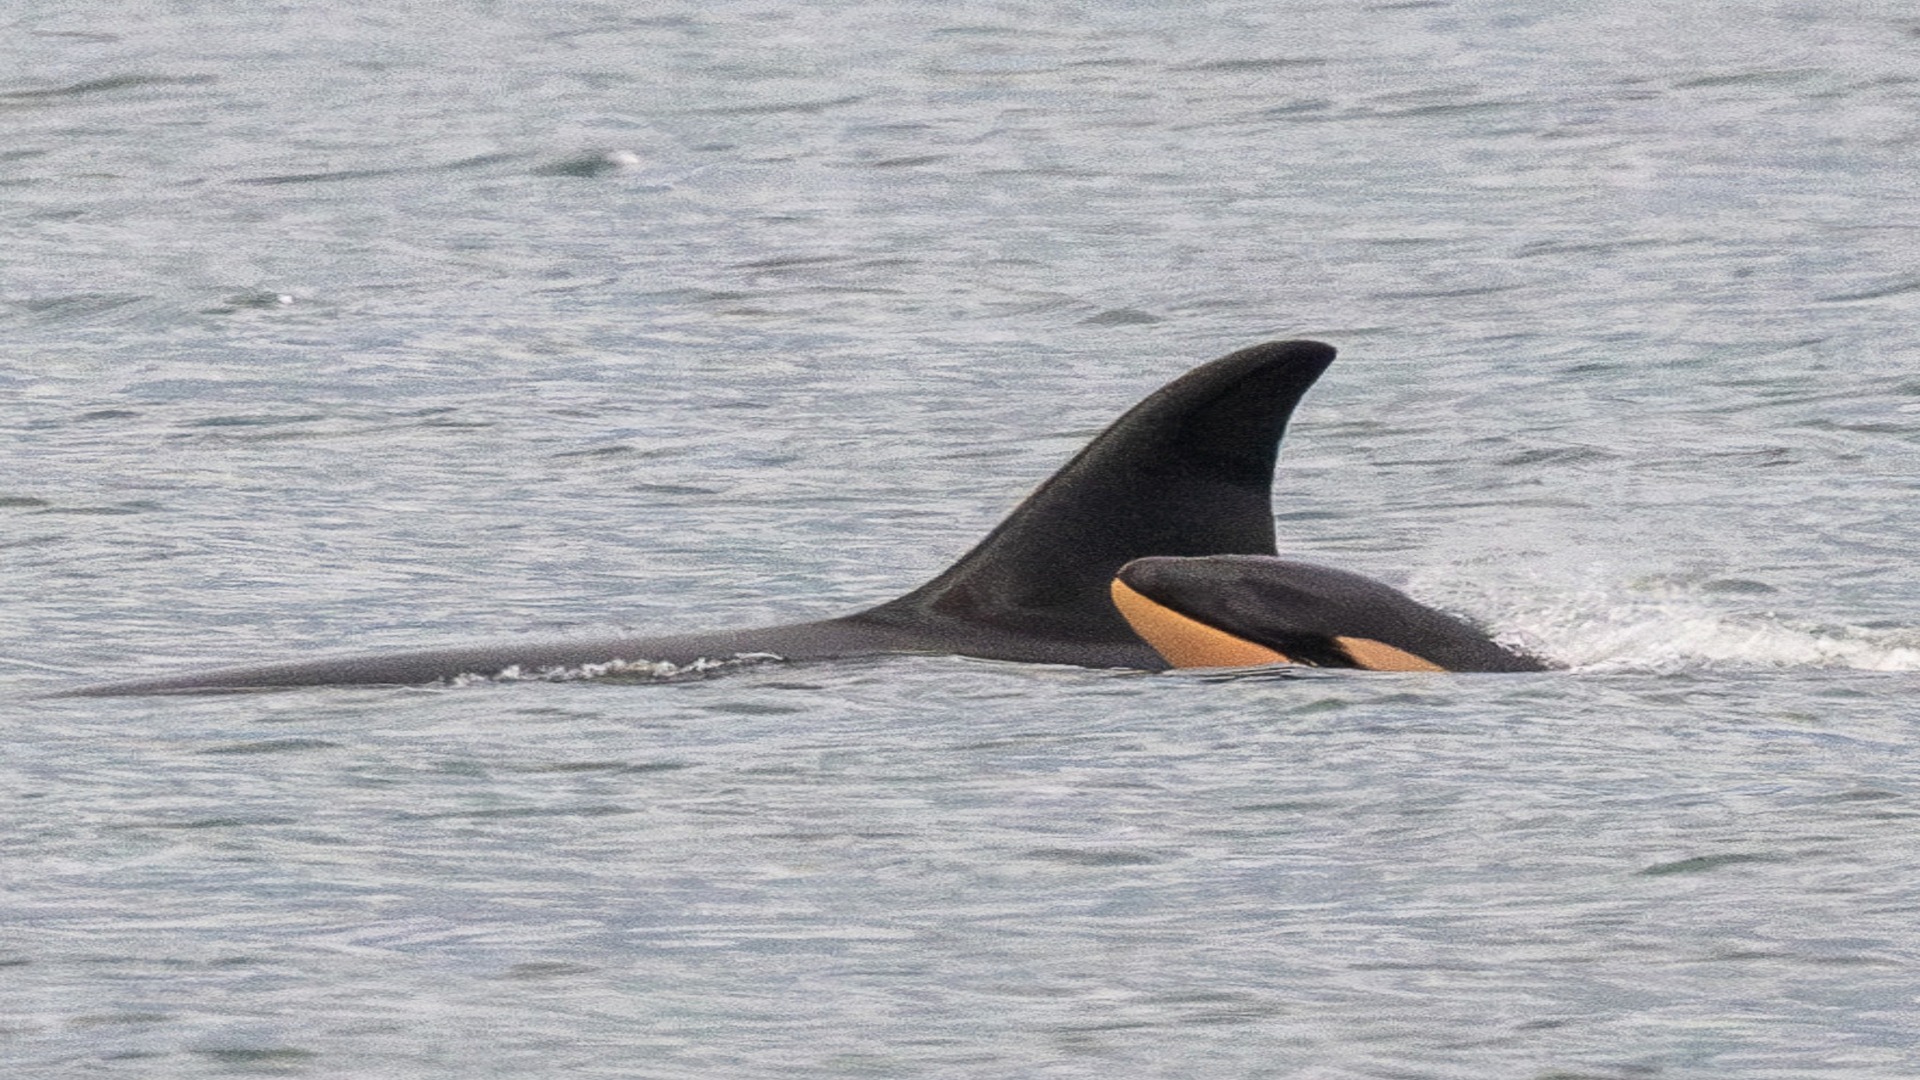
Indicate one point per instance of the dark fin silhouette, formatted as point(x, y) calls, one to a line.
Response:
point(1200, 610)
point(1188, 471)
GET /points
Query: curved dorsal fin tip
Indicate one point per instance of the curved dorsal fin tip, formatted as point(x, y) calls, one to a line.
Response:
point(1187, 471)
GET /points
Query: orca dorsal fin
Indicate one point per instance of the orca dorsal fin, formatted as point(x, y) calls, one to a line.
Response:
point(1188, 471)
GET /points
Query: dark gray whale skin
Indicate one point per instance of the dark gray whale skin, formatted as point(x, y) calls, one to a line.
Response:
point(1188, 471)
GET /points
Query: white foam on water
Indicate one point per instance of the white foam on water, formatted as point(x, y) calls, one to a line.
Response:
point(621, 671)
point(1601, 630)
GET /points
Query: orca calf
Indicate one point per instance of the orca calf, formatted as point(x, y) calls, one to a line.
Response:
point(1187, 472)
point(1247, 610)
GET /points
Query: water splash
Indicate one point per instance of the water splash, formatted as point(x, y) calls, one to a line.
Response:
point(642, 671)
point(1606, 630)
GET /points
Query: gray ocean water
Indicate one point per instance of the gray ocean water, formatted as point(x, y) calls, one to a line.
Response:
point(411, 323)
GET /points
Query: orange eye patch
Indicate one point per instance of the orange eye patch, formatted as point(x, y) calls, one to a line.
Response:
point(1186, 642)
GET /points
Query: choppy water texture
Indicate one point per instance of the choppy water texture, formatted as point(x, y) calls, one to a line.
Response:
point(361, 324)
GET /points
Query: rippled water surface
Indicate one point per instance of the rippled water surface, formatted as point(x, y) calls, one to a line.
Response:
point(403, 324)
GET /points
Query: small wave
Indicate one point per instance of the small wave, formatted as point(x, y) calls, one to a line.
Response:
point(1602, 632)
point(111, 83)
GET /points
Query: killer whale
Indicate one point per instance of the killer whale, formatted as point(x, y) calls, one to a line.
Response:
point(1246, 610)
point(1186, 472)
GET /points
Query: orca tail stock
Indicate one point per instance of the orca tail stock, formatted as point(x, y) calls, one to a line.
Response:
point(1186, 472)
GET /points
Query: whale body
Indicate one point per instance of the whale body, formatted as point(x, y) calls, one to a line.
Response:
point(1186, 472)
point(1250, 610)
